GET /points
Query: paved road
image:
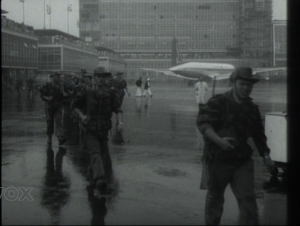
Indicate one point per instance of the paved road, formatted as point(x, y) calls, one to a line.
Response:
point(156, 172)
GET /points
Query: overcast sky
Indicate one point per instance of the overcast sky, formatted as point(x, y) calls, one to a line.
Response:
point(34, 13)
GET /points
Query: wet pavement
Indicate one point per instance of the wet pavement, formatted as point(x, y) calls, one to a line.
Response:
point(156, 173)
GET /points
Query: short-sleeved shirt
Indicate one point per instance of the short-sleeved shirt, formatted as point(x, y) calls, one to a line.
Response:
point(245, 118)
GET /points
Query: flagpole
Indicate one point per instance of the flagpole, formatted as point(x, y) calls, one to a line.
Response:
point(44, 16)
point(50, 14)
point(69, 9)
point(68, 21)
point(23, 11)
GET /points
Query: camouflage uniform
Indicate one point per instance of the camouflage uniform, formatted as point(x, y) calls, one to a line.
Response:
point(70, 119)
point(54, 108)
point(80, 91)
point(235, 166)
point(99, 104)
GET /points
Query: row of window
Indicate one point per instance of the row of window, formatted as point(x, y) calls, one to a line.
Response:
point(50, 58)
point(258, 24)
point(191, 38)
point(138, 27)
point(218, 55)
point(173, 17)
point(167, 45)
point(74, 60)
point(190, 6)
point(280, 47)
point(10, 61)
point(280, 33)
point(18, 49)
point(115, 66)
point(257, 43)
point(153, 64)
point(257, 4)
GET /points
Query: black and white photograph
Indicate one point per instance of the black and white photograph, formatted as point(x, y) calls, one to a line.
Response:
point(144, 112)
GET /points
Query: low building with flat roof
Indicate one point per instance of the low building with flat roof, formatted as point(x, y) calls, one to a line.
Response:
point(60, 51)
point(19, 52)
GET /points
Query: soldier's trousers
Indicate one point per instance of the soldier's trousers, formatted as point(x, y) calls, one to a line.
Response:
point(100, 162)
point(241, 180)
point(54, 115)
point(147, 90)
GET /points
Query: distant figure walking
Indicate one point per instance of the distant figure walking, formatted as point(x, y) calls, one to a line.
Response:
point(201, 89)
point(138, 84)
point(147, 87)
point(19, 84)
point(30, 84)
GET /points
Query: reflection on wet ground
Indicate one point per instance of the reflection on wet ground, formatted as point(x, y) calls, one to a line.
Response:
point(156, 173)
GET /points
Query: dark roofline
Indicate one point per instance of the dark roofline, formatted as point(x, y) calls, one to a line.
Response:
point(53, 32)
point(101, 48)
point(3, 11)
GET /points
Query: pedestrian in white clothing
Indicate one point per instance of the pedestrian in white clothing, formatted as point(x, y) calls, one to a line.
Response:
point(201, 89)
point(147, 87)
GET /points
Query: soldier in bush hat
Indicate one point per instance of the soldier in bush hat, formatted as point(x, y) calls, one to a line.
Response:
point(244, 73)
point(226, 122)
point(95, 108)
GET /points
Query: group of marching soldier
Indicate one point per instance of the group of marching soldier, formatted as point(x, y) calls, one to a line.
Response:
point(89, 101)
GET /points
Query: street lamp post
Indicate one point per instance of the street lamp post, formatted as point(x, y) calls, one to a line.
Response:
point(44, 16)
point(69, 9)
point(23, 11)
point(49, 13)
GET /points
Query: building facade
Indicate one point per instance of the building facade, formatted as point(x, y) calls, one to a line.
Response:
point(225, 31)
point(59, 51)
point(280, 43)
point(19, 53)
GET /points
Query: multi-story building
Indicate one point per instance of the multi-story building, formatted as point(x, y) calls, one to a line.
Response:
point(280, 43)
point(19, 54)
point(226, 31)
